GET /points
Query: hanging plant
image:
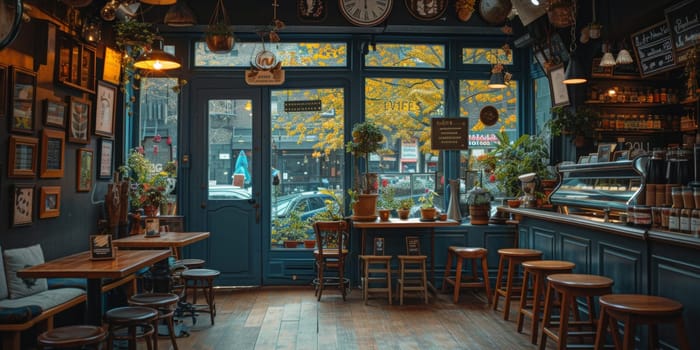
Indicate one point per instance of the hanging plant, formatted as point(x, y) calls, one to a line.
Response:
point(219, 35)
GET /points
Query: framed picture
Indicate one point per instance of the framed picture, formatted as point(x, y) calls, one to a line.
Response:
point(112, 66)
point(152, 227)
point(79, 120)
point(426, 10)
point(84, 170)
point(104, 166)
point(53, 149)
point(600, 72)
point(101, 247)
point(22, 204)
point(378, 246)
point(312, 10)
point(23, 152)
point(605, 152)
point(584, 159)
point(558, 90)
point(412, 245)
point(3, 90)
point(621, 155)
point(49, 202)
point(593, 157)
point(23, 97)
point(54, 113)
point(105, 109)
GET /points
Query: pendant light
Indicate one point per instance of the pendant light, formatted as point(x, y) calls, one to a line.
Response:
point(180, 15)
point(608, 60)
point(159, 2)
point(497, 81)
point(574, 72)
point(156, 59)
point(624, 56)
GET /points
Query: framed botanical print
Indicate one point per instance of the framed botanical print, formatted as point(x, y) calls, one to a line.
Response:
point(426, 10)
point(22, 156)
point(49, 202)
point(53, 149)
point(84, 170)
point(105, 109)
point(23, 96)
point(558, 90)
point(54, 113)
point(104, 166)
point(22, 204)
point(3, 90)
point(79, 120)
point(312, 10)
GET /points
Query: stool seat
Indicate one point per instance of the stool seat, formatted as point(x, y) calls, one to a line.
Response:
point(138, 321)
point(190, 263)
point(548, 265)
point(155, 300)
point(201, 279)
point(72, 336)
point(636, 309)
point(200, 273)
point(473, 254)
point(512, 257)
point(580, 281)
point(468, 252)
point(130, 314)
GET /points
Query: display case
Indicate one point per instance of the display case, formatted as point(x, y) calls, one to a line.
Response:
point(600, 190)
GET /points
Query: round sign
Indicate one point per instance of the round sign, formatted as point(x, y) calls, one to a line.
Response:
point(488, 115)
point(265, 60)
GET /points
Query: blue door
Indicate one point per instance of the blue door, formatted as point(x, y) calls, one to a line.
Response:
point(224, 191)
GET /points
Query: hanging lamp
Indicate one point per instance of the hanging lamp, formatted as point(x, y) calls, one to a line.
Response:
point(497, 81)
point(574, 72)
point(180, 15)
point(159, 2)
point(156, 59)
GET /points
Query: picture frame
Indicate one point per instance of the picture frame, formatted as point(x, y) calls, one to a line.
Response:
point(412, 245)
point(22, 156)
point(3, 89)
point(152, 227)
point(83, 172)
point(312, 11)
point(605, 152)
point(105, 163)
point(424, 12)
point(54, 113)
point(53, 149)
point(593, 158)
point(49, 202)
point(101, 247)
point(558, 90)
point(621, 155)
point(23, 97)
point(111, 72)
point(378, 247)
point(22, 204)
point(584, 159)
point(105, 109)
point(600, 72)
point(79, 120)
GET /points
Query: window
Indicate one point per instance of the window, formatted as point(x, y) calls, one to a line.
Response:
point(311, 54)
point(405, 55)
point(482, 55)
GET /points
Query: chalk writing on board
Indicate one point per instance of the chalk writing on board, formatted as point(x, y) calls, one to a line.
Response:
point(654, 49)
point(684, 19)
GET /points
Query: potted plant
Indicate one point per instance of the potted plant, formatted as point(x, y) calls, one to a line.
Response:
point(290, 230)
point(479, 201)
point(527, 154)
point(333, 212)
point(427, 207)
point(404, 208)
point(367, 138)
point(219, 35)
point(386, 202)
point(148, 187)
point(579, 123)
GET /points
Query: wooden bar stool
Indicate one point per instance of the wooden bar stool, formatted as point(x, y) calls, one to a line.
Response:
point(513, 257)
point(473, 254)
point(373, 266)
point(163, 302)
point(138, 321)
point(191, 263)
point(636, 309)
point(201, 279)
point(413, 276)
point(72, 337)
point(570, 286)
point(538, 270)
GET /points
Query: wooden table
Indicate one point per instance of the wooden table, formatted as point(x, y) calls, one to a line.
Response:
point(173, 240)
point(401, 226)
point(79, 265)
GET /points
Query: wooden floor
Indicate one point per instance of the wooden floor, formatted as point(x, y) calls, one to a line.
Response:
point(291, 318)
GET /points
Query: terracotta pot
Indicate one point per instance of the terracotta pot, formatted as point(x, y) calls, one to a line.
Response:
point(514, 203)
point(220, 43)
point(403, 213)
point(428, 213)
point(309, 243)
point(290, 244)
point(384, 214)
point(365, 209)
point(150, 210)
point(479, 214)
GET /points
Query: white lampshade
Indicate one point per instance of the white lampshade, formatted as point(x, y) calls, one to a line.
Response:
point(624, 57)
point(608, 60)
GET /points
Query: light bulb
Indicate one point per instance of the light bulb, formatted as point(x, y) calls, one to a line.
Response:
point(157, 65)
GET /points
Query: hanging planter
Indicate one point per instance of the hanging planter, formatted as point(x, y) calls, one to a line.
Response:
point(219, 36)
point(560, 13)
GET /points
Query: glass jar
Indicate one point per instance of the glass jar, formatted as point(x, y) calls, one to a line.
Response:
point(684, 221)
point(642, 215)
point(677, 197)
point(688, 199)
point(695, 223)
point(674, 220)
point(665, 217)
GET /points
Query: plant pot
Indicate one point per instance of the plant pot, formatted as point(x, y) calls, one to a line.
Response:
point(150, 210)
point(220, 43)
point(479, 214)
point(514, 203)
point(365, 209)
point(428, 213)
point(384, 214)
point(309, 243)
point(403, 213)
point(290, 244)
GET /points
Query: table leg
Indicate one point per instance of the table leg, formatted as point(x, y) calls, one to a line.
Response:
point(94, 301)
point(160, 272)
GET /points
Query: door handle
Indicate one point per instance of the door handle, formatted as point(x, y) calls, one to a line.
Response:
point(203, 205)
point(257, 210)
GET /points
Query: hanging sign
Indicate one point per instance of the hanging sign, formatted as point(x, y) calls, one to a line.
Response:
point(449, 133)
point(302, 106)
point(684, 19)
point(265, 70)
point(654, 49)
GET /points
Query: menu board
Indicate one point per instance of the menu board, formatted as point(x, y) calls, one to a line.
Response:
point(654, 49)
point(684, 19)
point(449, 133)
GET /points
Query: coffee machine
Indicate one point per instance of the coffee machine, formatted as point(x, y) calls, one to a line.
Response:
point(529, 183)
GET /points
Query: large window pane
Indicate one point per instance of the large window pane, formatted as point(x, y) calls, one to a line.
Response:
point(311, 54)
point(405, 55)
point(472, 55)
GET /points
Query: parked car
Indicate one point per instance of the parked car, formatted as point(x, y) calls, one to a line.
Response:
point(228, 192)
point(309, 203)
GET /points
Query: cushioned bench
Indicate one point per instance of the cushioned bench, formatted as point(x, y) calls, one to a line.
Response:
point(29, 302)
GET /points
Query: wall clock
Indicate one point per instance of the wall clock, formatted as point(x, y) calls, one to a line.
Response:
point(10, 19)
point(365, 13)
point(426, 10)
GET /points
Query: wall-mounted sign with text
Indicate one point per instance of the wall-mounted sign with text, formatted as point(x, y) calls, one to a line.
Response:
point(449, 133)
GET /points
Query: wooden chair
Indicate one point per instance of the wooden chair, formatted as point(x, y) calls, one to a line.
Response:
point(412, 270)
point(330, 254)
point(372, 267)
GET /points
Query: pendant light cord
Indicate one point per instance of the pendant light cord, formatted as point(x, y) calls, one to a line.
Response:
point(572, 45)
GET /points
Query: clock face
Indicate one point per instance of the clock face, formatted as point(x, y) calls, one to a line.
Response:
point(365, 12)
point(10, 15)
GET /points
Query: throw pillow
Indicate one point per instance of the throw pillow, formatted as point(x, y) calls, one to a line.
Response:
point(3, 283)
point(18, 259)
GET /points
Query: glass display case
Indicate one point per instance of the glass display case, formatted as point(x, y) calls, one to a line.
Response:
point(600, 190)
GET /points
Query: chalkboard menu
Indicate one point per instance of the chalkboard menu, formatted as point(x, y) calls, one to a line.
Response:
point(449, 133)
point(684, 19)
point(654, 49)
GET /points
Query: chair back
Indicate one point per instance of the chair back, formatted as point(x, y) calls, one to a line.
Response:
point(331, 236)
point(412, 245)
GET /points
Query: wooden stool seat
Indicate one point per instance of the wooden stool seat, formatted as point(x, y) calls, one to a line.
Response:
point(570, 286)
point(413, 276)
point(164, 303)
point(137, 320)
point(201, 279)
point(512, 257)
point(473, 254)
point(372, 265)
point(191, 263)
point(71, 336)
point(635, 309)
point(538, 270)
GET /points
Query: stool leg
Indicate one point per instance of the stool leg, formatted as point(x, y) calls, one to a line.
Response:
point(523, 300)
point(401, 282)
point(458, 279)
point(546, 316)
point(425, 282)
point(509, 289)
point(485, 273)
point(154, 336)
point(630, 326)
point(499, 276)
point(653, 336)
point(566, 302)
point(210, 300)
point(602, 328)
point(537, 293)
point(365, 283)
point(388, 279)
point(448, 267)
point(683, 343)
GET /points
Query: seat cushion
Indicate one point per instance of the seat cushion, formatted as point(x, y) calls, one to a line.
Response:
point(3, 282)
point(22, 314)
point(46, 299)
point(18, 259)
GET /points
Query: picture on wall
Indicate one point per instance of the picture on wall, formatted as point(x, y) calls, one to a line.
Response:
point(3, 90)
point(53, 144)
point(22, 204)
point(79, 120)
point(54, 113)
point(23, 92)
point(105, 109)
point(558, 90)
point(84, 170)
point(50, 202)
point(104, 167)
point(22, 156)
